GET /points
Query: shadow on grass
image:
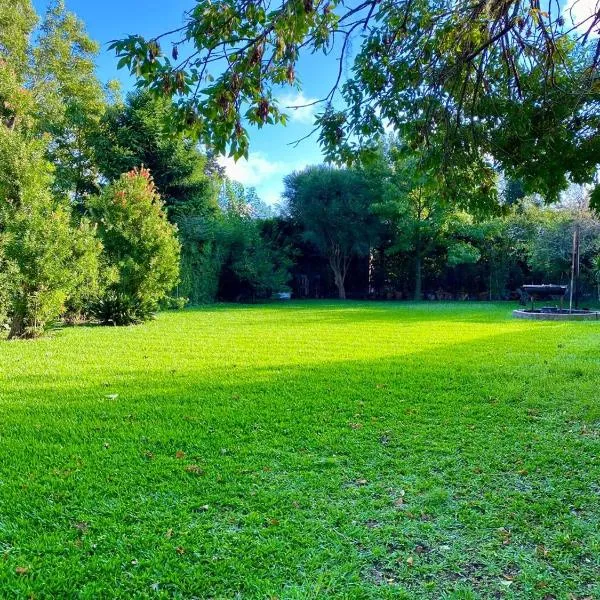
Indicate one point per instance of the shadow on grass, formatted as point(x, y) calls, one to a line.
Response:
point(450, 471)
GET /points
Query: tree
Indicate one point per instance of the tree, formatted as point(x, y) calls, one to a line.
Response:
point(333, 206)
point(549, 247)
point(44, 256)
point(140, 262)
point(514, 79)
point(250, 265)
point(69, 100)
point(137, 133)
point(415, 205)
point(17, 21)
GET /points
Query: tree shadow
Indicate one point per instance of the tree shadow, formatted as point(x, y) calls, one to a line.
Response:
point(295, 478)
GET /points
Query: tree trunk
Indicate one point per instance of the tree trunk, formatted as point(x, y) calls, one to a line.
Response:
point(418, 277)
point(17, 327)
point(339, 282)
point(418, 255)
point(339, 262)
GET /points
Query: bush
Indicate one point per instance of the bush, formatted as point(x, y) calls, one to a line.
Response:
point(140, 261)
point(38, 243)
point(250, 267)
point(120, 309)
point(175, 303)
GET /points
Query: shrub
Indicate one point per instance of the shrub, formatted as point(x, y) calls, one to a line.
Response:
point(250, 267)
point(39, 245)
point(174, 302)
point(140, 261)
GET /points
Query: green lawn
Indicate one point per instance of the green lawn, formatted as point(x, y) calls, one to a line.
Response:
point(306, 450)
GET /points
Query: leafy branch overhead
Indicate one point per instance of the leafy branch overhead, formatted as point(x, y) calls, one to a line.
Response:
point(452, 75)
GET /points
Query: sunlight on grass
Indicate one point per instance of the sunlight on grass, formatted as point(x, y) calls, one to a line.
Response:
point(303, 450)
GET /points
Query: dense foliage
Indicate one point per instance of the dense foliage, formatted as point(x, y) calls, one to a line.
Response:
point(84, 235)
point(138, 133)
point(141, 253)
point(44, 257)
point(417, 244)
point(80, 240)
point(250, 266)
point(515, 79)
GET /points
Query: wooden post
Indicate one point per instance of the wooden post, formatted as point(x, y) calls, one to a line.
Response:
point(573, 268)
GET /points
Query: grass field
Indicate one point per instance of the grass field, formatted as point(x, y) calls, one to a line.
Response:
point(306, 450)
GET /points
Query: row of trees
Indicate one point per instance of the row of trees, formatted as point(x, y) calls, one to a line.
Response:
point(388, 228)
point(468, 85)
point(109, 208)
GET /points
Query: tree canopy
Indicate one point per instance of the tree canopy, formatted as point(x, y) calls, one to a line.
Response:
point(516, 80)
point(333, 206)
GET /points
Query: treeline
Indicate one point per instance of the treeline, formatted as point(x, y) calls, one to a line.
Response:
point(389, 231)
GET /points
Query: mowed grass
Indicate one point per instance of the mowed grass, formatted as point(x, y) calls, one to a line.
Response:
point(306, 450)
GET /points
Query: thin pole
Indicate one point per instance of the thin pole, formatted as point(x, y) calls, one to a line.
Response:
point(572, 270)
point(577, 263)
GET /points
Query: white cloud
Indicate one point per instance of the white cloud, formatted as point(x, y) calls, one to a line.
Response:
point(577, 11)
point(272, 196)
point(252, 172)
point(303, 114)
point(261, 173)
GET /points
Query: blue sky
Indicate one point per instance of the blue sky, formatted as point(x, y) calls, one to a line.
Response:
point(271, 155)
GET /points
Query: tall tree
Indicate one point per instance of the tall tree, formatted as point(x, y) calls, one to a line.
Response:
point(137, 133)
point(43, 257)
point(333, 206)
point(70, 99)
point(420, 209)
point(17, 22)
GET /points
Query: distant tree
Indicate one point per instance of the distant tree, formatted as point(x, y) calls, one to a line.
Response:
point(233, 199)
point(140, 261)
point(251, 266)
point(260, 209)
point(513, 191)
point(334, 208)
point(415, 205)
point(549, 245)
